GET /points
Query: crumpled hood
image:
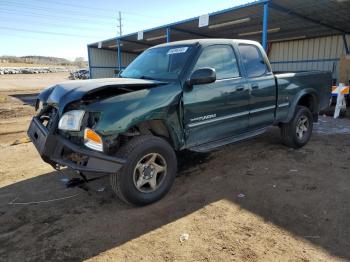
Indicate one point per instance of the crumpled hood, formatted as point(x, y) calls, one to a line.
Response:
point(64, 93)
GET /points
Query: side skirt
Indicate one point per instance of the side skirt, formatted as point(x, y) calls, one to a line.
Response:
point(230, 140)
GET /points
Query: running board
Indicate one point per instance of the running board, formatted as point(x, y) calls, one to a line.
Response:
point(230, 140)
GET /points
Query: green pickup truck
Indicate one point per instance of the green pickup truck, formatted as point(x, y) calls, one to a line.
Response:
point(196, 95)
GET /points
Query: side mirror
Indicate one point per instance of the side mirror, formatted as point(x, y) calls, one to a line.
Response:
point(202, 76)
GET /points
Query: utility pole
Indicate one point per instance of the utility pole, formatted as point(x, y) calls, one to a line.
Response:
point(120, 23)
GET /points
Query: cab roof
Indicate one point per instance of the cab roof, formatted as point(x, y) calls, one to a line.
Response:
point(209, 41)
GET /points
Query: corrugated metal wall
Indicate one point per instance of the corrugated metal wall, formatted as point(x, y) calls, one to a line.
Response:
point(309, 54)
point(103, 62)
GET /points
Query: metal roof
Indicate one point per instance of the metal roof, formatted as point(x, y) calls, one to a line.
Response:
point(287, 20)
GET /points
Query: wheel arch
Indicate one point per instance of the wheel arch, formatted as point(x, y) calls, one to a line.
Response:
point(308, 98)
point(160, 128)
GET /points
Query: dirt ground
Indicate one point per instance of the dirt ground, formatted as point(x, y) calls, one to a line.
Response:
point(252, 201)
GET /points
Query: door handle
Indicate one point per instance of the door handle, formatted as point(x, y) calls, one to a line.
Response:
point(255, 86)
point(241, 88)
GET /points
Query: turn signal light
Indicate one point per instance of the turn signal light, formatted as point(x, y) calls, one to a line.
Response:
point(93, 140)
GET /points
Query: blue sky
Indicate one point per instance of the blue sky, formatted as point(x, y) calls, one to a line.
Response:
point(63, 28)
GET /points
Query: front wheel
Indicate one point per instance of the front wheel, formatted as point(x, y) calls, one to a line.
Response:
point(149, 172)
point(298, 131)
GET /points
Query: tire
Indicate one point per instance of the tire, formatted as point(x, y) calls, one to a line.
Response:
point(139, 153)
point(292, 134)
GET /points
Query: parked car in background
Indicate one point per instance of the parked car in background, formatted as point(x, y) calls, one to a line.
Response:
point(79, 74)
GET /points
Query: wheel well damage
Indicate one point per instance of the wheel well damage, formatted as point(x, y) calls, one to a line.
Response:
point(152, 127)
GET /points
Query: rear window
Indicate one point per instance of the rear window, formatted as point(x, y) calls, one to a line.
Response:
point(253, 60)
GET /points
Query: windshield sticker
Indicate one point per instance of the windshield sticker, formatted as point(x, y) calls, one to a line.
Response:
point(178, 50)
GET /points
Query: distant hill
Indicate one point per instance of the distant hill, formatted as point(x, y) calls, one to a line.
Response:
point(42, 60)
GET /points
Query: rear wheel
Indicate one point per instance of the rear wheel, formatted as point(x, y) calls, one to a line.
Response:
point(148, 173)
point(298, 131)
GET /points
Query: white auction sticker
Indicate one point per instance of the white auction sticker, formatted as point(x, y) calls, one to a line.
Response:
point(203, 20)
point(178, 50)
point(140, 35)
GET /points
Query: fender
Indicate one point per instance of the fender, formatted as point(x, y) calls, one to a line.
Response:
point(172, 123)
point(120, 113)
point(296, 100)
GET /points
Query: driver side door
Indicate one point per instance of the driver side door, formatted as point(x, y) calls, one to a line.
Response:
point(217, 110)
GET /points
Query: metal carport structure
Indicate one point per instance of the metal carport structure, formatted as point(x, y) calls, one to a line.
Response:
point(286, 29)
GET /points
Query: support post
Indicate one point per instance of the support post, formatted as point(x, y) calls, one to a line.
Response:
point(119, 55)
point(265, 22)
point(347, 50)
point(168, 34)
point(89, 61)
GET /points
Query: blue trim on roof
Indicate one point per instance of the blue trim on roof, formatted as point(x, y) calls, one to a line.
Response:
point(227, 10)
point(305, 61)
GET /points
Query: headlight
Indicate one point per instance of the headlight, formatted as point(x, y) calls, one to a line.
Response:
point(71, 121)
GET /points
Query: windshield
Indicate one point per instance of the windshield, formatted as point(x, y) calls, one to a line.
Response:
point(164, 63)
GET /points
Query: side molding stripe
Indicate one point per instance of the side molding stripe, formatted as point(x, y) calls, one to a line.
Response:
point(283, 105)
point(209, 121)
point(218, 119)
point(262, 109)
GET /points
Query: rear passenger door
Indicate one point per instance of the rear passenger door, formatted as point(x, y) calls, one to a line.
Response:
point(220, 109)
point(261, 82)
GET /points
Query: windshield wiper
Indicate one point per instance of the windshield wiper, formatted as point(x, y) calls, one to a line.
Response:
point(146, 77)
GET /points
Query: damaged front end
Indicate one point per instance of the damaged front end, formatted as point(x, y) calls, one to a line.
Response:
point(82, 124)
point(59, 148)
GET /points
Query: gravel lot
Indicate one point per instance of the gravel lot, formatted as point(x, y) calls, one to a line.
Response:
point(252, 201)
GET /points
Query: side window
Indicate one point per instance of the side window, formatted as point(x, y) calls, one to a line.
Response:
point(221, 58)
point(253, 60)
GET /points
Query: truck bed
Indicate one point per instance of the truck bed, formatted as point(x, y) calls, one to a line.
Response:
point(292, 86)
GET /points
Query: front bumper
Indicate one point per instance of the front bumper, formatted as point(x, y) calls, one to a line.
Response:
point(53, 150)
